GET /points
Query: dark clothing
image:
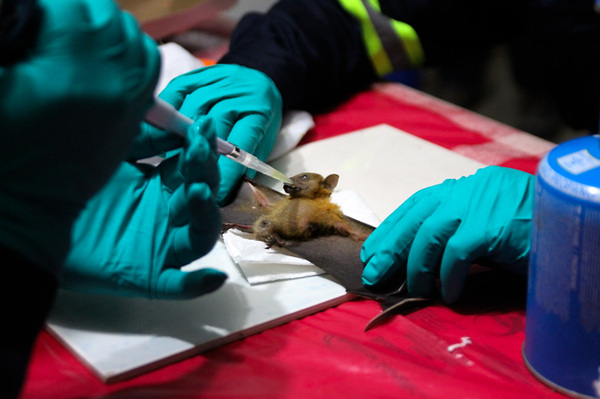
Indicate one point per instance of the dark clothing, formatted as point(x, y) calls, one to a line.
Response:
point(314, 52)
point(27, 298)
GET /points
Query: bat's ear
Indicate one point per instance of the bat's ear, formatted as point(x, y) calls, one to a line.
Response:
point(331, 182)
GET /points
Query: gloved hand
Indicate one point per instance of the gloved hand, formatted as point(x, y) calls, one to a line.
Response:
point(69, 112)
point(148, 221)
point(244, 103)
point(444, 228)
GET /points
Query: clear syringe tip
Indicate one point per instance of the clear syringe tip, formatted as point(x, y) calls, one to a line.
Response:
point(253, 162)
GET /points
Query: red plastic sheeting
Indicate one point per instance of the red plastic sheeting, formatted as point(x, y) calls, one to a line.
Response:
point(328, 355)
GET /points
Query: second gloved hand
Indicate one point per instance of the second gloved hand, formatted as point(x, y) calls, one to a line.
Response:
point(442, 229)
point(244, 103)
point(147, 222)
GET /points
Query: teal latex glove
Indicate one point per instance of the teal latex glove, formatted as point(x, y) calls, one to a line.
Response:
point(244, 103)
point(443, 229)
point(147, 222)
point(69, 112)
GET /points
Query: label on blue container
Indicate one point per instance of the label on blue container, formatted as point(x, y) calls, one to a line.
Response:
point(578, 162)
point(574, 171)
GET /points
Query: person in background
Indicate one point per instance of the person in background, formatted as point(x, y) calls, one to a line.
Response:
point(320, 52)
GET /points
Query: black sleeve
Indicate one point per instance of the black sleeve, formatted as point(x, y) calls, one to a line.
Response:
point(312, 49)
point(26, 298)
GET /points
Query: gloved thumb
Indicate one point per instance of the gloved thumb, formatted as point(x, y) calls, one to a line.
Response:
point(177, 284)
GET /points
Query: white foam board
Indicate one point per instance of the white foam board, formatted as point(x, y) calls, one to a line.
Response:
point(118, 338)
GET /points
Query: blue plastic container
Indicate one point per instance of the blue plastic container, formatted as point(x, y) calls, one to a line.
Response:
point(562, 334)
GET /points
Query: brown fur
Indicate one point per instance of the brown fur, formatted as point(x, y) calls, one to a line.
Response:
point(306, 213)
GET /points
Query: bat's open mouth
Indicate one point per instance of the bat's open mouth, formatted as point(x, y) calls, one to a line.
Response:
point(290, 188)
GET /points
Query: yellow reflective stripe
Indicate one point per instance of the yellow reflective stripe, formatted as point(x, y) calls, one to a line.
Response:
point(407, 38)
point(411, 42)
point(375, 4)
point(407, 35)
point(375, 49)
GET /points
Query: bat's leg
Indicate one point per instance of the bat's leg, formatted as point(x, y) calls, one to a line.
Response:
point(246, 228)
point(264, 231)
point(344, 229)
point(274, 239)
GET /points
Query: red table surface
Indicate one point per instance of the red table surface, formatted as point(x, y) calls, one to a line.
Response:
point(328, 354)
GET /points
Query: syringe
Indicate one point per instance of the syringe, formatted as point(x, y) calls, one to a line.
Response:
point(164, 116)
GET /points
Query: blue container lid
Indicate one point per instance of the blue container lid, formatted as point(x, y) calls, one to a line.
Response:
point(573, 168)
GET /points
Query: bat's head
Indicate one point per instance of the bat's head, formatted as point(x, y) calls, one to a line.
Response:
point(311, 185)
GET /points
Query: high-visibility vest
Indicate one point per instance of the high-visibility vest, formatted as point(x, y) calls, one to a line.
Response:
point(392, 45)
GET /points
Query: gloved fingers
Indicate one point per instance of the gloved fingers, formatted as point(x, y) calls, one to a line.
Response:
point(427, 250)
point(193, 92)
point(265, 133)
point(384, 255)
point(390, 224)
point(179, 214)
point(423, 201)
point(152, 141)
point(244, 134)
point(202, 99)
point(176, 284)
point(231, 173)
point(196, 221)
point(174, 93)
point(247, 134)
point(198, 161)
point(510, 244)
point(197, 92)
point(170, 173)
point(461, 251)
